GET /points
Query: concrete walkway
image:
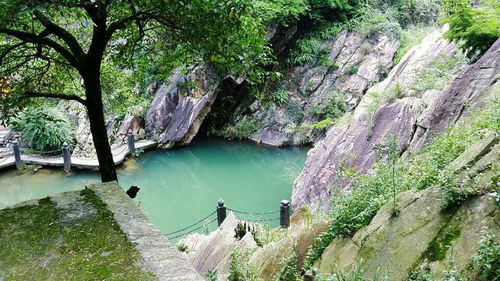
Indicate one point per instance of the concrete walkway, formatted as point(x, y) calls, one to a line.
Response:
point(119, 155)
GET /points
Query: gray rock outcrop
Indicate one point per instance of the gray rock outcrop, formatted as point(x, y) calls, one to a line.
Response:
point(354, 63)
point(405, 104)
point(181, 104)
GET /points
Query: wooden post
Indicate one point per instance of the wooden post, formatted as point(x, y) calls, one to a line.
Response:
point(17, 154)
point(285, 214)
point(66, 157)
point(310, 275)
point(131, 142)
point(221, 212)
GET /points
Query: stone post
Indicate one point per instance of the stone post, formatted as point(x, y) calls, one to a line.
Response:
point(221, 212)
point(17, 154)
point(310, 275)
point(66, 157)
point(131, 142)
point(285, 214)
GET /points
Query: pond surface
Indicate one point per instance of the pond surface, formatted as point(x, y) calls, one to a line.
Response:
point(182, 185)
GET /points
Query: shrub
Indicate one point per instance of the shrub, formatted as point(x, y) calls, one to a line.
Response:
point(281, 11)
point(44, 128)
point(372, 190)
point(487, 260)
point(332, 107)
point(280, 97)
point(239, 270)
point(353, 274)
point(475, 29)
point(242, 129)
point(288, 271)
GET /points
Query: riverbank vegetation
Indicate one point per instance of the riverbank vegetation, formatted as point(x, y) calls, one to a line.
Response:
point(421, 170)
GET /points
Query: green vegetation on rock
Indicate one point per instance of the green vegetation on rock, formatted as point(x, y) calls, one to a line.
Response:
point(420, 170)
point(475, 29)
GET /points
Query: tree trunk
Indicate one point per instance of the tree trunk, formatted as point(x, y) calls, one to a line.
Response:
point(98, 128)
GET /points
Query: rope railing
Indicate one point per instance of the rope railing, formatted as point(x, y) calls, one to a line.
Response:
point(221, 210)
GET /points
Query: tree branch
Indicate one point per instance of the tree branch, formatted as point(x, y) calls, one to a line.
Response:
point(63, 34)
point(37, 39)
point(31, 94)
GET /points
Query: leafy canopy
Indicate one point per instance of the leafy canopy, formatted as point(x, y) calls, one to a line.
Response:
point(43, 44)
point(474, 28)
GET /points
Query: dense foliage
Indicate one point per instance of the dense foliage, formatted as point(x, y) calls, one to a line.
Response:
point(44, 128)
point(78, 49)
point(474, 28)
point(425, 169)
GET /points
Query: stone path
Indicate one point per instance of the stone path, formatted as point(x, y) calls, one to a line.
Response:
point(161, 257)
point(119, 155)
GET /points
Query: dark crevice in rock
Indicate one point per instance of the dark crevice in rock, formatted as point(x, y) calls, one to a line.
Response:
point(232, 97)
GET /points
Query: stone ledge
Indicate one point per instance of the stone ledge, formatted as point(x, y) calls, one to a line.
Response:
point(161, 258)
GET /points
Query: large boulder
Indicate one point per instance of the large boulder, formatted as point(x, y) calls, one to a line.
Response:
point(412, 116)
point(213, 251)
point(181, 104)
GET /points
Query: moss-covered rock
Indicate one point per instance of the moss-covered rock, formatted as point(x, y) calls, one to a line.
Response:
point(421, 234)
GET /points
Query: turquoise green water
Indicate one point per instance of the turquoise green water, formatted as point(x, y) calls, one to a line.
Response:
point(181, 185)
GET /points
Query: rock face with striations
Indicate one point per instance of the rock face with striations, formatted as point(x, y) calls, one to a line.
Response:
point(407, 104)
point(353, 64)
point(181, 104)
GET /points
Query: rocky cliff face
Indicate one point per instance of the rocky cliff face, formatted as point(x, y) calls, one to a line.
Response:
point(354, 63)
point(424, 236)
point(181, 104)
point(412, 103)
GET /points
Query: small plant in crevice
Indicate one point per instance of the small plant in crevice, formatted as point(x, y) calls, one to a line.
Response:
point(182, 247)
point(486, 262)
point(288, 270)
point(394, 93)
point(353, 69)
point(212, 275)
point(239, 270)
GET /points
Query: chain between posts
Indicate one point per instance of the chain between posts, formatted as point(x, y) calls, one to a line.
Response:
point(188, 227)
point(193, 230)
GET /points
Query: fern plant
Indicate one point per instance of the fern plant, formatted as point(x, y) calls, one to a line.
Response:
point(44, 128)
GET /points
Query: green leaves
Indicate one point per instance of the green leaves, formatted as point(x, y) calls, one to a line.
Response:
point(44, 128)
point(475, 29)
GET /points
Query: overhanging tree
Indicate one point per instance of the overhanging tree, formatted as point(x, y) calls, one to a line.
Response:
point(57, 48)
